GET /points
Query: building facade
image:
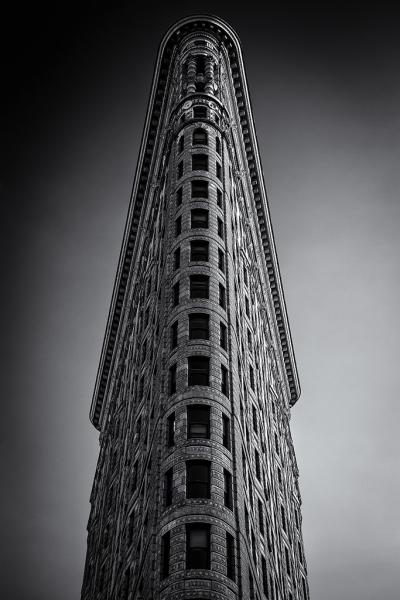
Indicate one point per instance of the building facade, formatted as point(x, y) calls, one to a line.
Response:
point(196, 489)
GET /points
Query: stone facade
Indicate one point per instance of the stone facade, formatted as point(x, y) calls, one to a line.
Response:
point(196, 490)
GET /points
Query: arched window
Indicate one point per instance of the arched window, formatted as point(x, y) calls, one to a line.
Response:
point(200, 137)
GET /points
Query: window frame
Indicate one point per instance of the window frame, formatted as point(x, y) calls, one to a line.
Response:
point(192, 482)
point(202, 421)
point(198, 375)
point(191, 563)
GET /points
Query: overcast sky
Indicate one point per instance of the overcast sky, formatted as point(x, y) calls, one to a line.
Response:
point(325, 92)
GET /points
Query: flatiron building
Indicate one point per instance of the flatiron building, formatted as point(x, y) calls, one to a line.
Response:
point(196, 491)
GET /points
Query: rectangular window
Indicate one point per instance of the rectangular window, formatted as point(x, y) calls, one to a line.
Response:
point(199, 285)
point(199, 218)
point(200, 137)
point(177, 259)
point(226, 431)
point(198, 479)
point(222, 336)
point(247, 306)
point(199, 250)
point(230, 556)
point(221, 260)
point(199, 188)
point(245, 276)
point(219, 198)
point(228, 489)
point(198, 546)
point(168, 481)
point(172, 379)
point(218, 145)
point(222, 296)
point(199, 162)
point(178, 226)
point(198, 370)
point(171, 430)
point(175, 293)
point(174, 335)
point(179, 196)
point(199, 326)
point(220, 228)
point(165, 552)
point(219, 170)
point(181, 144)
point(180, 169)
point(198, 421)
point(199, 112)
point(224, 381)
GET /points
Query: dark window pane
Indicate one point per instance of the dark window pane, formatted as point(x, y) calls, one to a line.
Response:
point(198, 479)
point(181, 143)
point(230, 556)
point(197, 546)
point(226, 431)
point(224, 381)
point(220, 228)
point(165, 551)
point(200, 112)
point(219, 171)
point(198, 419)
point(168, 487)
point(179, 196)
point(172, 379)
point(178, 226)
point(200, 137)
point(199, 218)
point(199, 162)
point(199, 326)
point(199, 188)
point(222, 299)
point(199, 250)
point(198, 370)
point(174, 335)
point(199, 285)
point(227, 489)
point(222, 336)
point(177, 258)
point(221, 260)
point(218, 145)
point(180, 169)
point(219, 198)
point(171, 430)
point(176, 294)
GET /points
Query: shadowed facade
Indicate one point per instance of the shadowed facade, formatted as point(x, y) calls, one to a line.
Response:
point(196, 489)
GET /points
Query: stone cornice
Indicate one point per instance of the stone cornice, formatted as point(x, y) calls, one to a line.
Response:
point(225, 34)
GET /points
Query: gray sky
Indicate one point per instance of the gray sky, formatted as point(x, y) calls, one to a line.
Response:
point(325, 96)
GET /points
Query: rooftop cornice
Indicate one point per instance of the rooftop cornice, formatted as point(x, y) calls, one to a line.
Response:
point(226, 35)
